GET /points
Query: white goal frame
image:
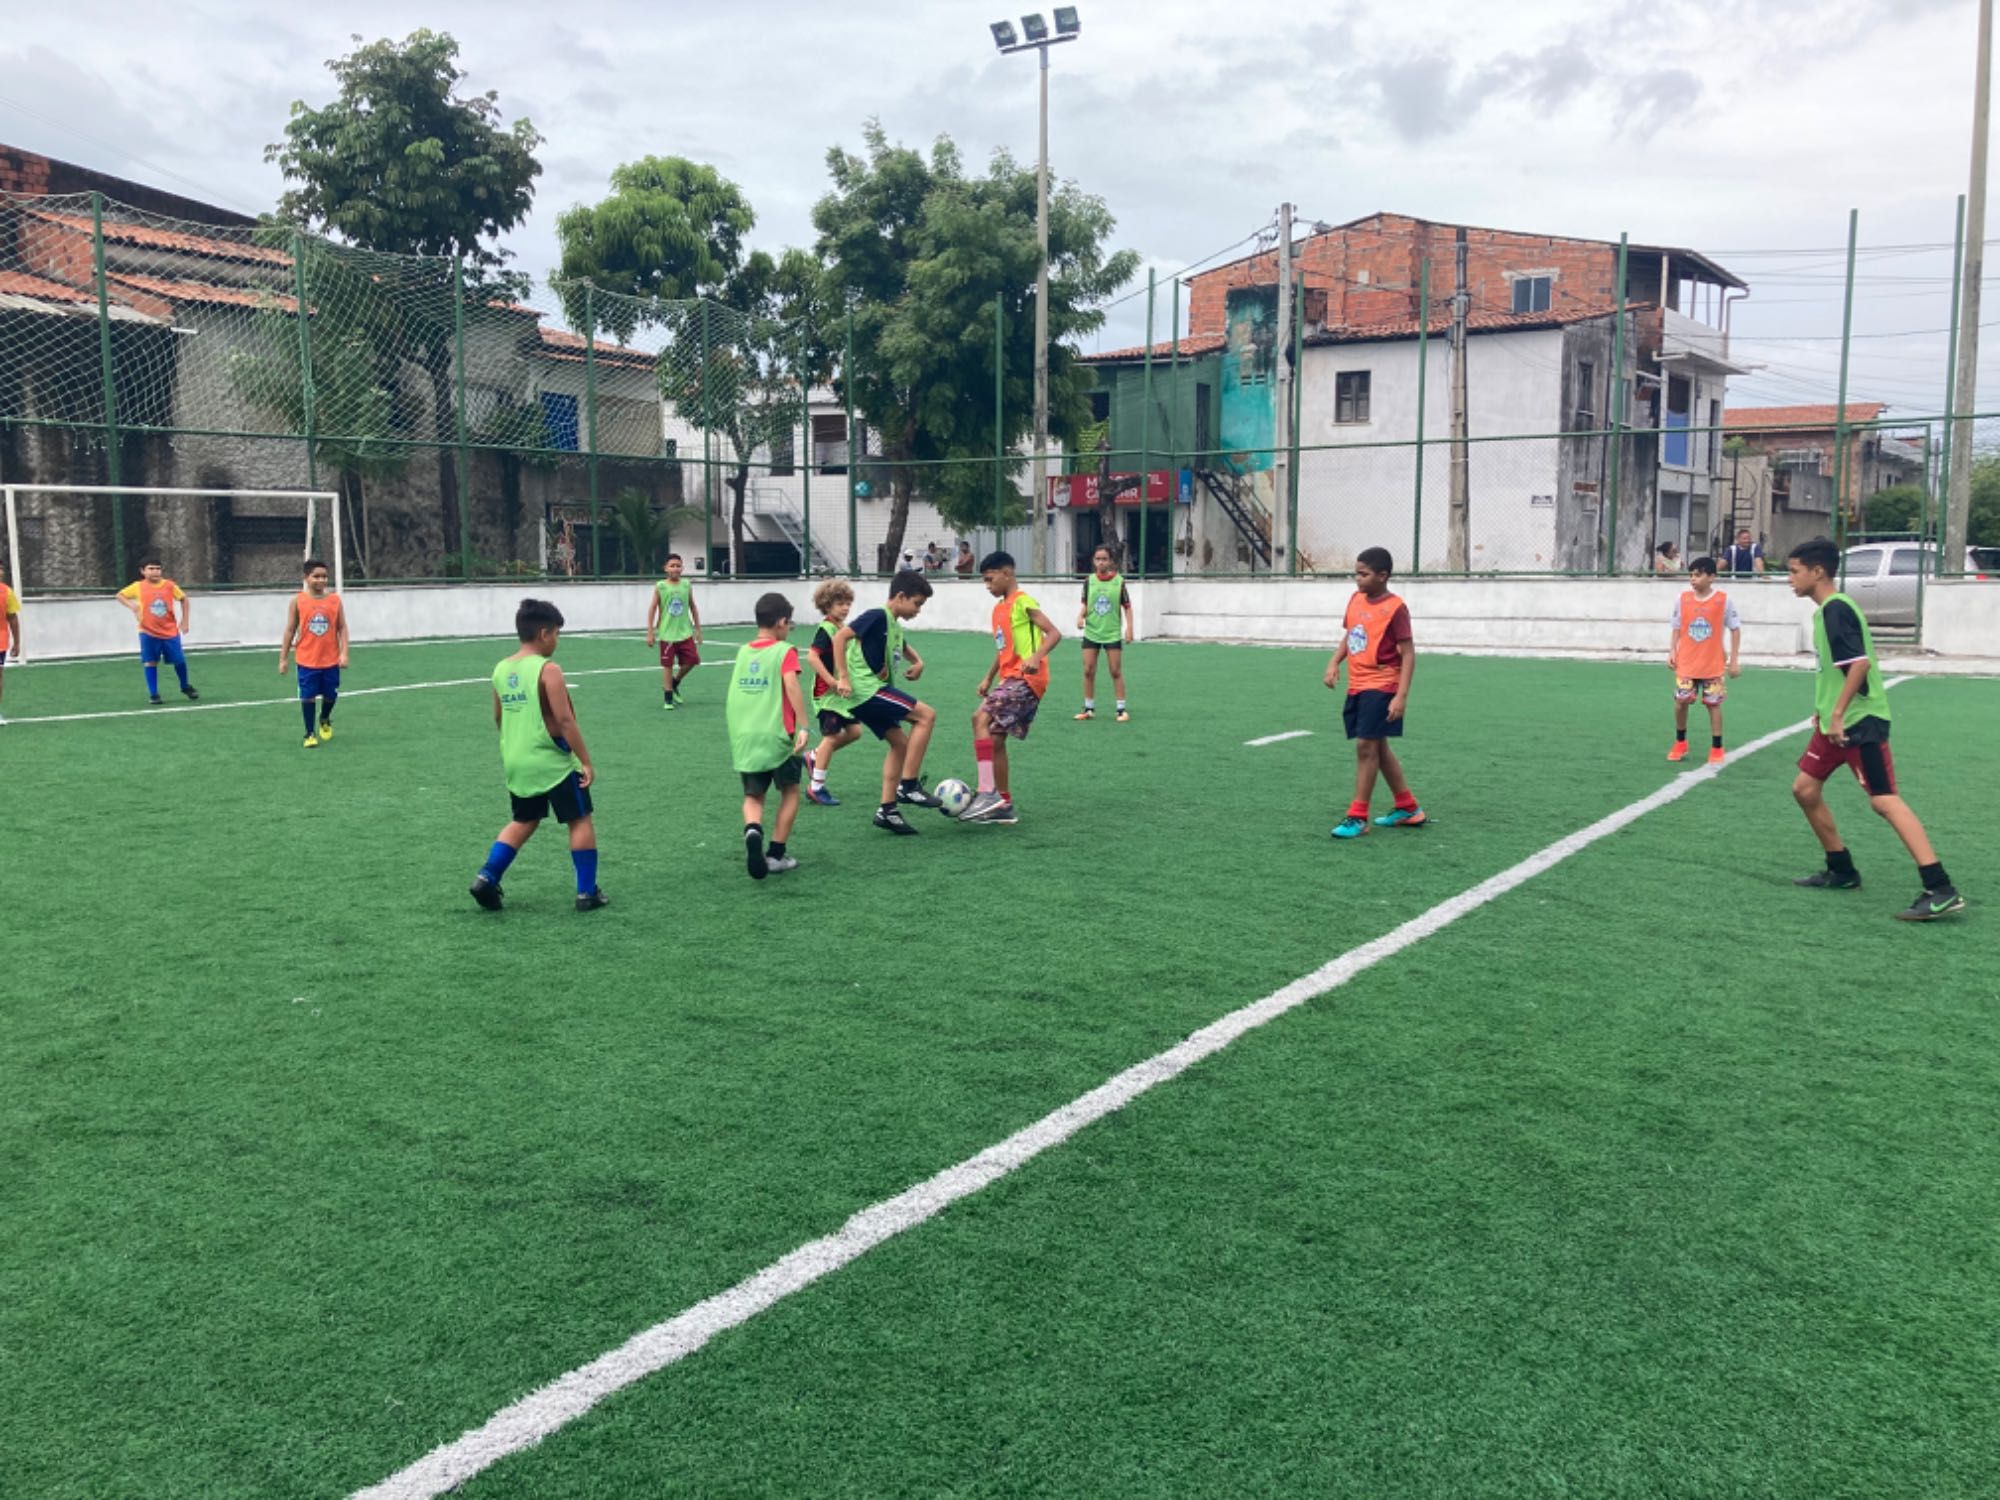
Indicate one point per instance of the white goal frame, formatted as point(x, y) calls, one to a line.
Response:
point(310, 498)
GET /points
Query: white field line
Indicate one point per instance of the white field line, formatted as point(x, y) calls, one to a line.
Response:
point(1272, 739)
point(543, 1412)
point(237, 648)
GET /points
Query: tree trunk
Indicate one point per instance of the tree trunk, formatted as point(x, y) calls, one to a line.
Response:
point(739, 486)
point(900, 486)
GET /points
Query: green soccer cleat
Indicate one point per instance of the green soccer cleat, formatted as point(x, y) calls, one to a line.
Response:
point(1931, 905)
point(1350, 828)
point(1403, 817)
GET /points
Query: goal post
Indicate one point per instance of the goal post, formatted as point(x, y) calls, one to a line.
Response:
point(55, 536)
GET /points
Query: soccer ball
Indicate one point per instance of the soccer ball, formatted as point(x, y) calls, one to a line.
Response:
point(955, 795)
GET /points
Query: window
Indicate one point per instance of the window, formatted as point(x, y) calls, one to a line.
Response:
point(1100, 406)
point(1903, 562)
point(1350, 396)
point(781, 450)
point(1675, 448)
point(559, 420)
point(1586, 396)
point(1715, 437)
point(1204, 438)
point(1864, 562)
point(1533, 293)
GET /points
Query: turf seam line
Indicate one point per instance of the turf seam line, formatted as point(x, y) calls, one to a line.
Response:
point(537, 1415)
point(1272, 739)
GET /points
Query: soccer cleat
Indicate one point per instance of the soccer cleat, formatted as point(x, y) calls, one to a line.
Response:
point(592, 901)
point(1124, 717)
point(1403, 817)
point(1931, 905)
point(988, 807)
point(917, 796)
point(1831, 880)
point(822, 795)
point(189, 693)
point(154, 700)
point(486, 892)
point(312, 742)
point(1004, 813)
point(781, 863)
point(753, 853)
point(1717, 755)
point(891, 819)
point(1679, 752)
point(1088, 713)
point(1350, 827)
point(326, 729)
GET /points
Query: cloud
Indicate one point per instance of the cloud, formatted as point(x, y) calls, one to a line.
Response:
point(1647, 101)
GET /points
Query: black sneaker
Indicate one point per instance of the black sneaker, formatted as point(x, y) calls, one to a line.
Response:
point(154, 700)
point(916, 794)
point(591, 902)
point(891, 819)
point(190, 694)
point(1931, 905)
point(753, 853)
point(1831, 880)
point(486, 892)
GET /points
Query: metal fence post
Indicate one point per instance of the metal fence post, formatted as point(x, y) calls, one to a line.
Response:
point(114, 460)
point(806, 445)
point(464, 453)
point(308, 393)
point(1950, 375)
point(1841, 432)
point(1298, 393)
point(999, 415)
point(707, 461)
point(1173, 422)
point(847, 394)
point(1146, 428)
point(590, 426)
point(1423, 370)
point(1617, 412)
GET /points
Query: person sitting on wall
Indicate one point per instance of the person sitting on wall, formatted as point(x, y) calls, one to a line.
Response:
point(1667, 558)
point(1746, 556)
point(965, 566)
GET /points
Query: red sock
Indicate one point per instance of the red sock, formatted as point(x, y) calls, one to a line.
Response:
point(1357, 808)
point(982, 751)
point(1406, 801)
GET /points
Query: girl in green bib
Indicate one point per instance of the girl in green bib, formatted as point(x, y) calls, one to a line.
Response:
point(1105, 618)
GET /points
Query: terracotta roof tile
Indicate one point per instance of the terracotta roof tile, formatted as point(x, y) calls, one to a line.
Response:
point(21, 284)
point(125, 233)
point(561, 344)
point(1800, 416)
point(1190, 347)
point(204, 291)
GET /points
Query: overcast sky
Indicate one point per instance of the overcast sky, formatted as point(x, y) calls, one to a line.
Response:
point(1737, 127)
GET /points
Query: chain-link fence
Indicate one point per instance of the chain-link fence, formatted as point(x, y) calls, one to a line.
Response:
point(474, 429)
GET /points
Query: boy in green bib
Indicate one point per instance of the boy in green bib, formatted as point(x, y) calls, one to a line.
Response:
point(1105, 618)
point(542, 751)
point(675, 623)
point(766, 713)
point(868, 652)
point(1851, 728)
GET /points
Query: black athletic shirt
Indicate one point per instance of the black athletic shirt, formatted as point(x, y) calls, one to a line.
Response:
point(1846, 645)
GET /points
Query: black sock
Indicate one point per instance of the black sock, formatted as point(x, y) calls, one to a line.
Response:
point(1840, 861)
point(668, 694)
point(890, 805)
point(750, 828)
point(910, 783)
point(1680, 736)
point(308, 705)
point(1715, 740)
point(1934, 877)
point(777, 850)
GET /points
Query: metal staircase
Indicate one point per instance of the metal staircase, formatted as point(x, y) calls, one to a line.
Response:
point(775, 506)
point(1252, 521)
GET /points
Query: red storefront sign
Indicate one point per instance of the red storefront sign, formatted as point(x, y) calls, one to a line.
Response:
point(1080, 490)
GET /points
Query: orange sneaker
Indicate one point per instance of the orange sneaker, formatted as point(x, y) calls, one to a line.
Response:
point(1679, 752)
point(1716, 755)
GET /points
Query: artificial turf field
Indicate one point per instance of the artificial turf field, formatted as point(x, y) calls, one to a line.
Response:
point(1653, 1177)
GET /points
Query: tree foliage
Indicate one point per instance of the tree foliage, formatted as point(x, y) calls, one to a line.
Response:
point(1983, 524)
point(671, 228)
point(1899, 507)
point(921, 250)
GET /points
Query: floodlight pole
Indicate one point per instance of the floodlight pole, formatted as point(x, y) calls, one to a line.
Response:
point(1041, 548)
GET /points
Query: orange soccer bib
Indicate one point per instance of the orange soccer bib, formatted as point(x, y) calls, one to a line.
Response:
point(319, 630)
point(1698, 653)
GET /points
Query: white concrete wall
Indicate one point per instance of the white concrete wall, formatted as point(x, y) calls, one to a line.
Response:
point(1528, 616)
point(1962, 618)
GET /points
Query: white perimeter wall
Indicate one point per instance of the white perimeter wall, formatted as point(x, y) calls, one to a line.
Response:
point(1527, 616)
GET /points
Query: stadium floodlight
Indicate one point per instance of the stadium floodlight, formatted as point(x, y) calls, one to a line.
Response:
point(1036, 28)
point(1003, 35)
point(1067, 23)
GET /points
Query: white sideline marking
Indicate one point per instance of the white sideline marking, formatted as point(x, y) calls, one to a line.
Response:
point(537, 1415)
point(1272, 739)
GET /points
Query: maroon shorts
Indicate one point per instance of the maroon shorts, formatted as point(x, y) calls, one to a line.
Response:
point(1873, 766)
point(681, 651)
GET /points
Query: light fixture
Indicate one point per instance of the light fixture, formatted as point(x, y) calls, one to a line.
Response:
point(1003, 35)
point(1036, 28)
point(1067, 21)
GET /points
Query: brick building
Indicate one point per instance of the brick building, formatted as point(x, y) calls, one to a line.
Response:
point(1804, 441)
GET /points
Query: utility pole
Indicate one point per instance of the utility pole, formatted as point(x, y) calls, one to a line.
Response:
point(1458, 545)
point(1965, 395)
point(1041, 549)
point(1281, 460)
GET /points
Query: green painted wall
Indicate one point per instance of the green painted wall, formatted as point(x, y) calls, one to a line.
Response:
point(1174, 423)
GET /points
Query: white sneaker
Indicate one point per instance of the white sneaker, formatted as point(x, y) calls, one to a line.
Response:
point(988, 807)
point(780, 863)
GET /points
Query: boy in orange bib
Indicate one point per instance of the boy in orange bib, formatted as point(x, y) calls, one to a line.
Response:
point(317, 623)
point(1695, 655)
point(1381, 659)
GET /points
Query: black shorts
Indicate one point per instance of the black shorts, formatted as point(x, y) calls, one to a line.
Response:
point(757, 783)
point(1103, 645)
point(831, 723)
point(1367, 716)
point(885, 711)
point(568, 800)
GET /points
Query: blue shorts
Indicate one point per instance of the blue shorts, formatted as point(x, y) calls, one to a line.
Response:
point(154, 649)
point(318, 682)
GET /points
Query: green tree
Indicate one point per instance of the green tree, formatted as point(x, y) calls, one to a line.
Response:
point(1983, 524)
point(1899, 507)
point(920, 250)
point(401, 163)
point(670, 229)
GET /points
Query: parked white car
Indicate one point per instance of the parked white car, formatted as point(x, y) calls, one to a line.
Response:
point(1881, 577)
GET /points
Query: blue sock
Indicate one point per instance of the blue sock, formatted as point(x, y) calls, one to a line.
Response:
point(152, 682)
point(306, 706)
point(585, 861)
point(498, 858)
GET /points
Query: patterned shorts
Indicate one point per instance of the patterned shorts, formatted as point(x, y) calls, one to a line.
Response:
point(1711, 690)
point(1010, 707)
